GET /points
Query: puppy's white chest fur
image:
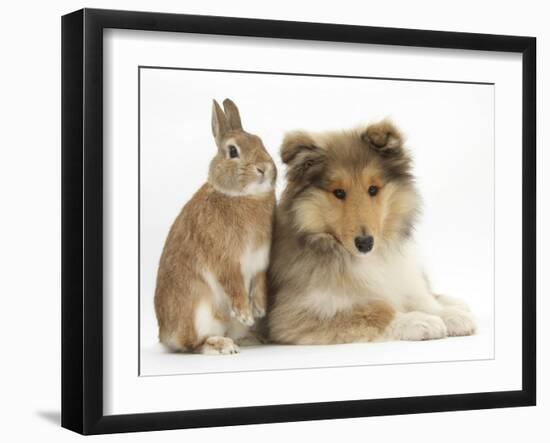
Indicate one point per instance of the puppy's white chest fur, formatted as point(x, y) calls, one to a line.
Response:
point(252, 261)
point(395, 276)
point(327, 302)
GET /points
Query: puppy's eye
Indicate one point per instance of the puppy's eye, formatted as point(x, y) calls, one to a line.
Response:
point(373, 190)
point(339, 194)
point(233, 152)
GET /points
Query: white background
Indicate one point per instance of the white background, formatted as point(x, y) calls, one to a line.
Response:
point(450, 133)
point(30, 183)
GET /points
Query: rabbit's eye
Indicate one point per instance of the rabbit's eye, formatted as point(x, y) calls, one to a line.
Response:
point(233, 152)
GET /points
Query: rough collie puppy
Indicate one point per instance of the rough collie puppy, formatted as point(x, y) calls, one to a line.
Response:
point(343, 263)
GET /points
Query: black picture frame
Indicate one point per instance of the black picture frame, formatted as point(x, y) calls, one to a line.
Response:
point(82, 220)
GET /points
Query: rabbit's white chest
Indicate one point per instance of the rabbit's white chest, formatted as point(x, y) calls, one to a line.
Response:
point(254, 260)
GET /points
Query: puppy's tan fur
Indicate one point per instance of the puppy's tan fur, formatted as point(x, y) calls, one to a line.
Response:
point(323, 289)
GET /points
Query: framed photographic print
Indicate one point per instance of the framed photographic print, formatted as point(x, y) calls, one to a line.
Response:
point(269, 221)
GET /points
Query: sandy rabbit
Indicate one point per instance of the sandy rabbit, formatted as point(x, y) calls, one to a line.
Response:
point(211, 282)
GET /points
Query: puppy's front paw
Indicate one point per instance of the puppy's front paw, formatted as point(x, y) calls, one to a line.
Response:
point(242, 315)
point(417, 326)
point(459, 322)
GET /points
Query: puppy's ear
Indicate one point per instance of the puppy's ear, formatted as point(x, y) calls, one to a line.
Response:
point(304, 158)
point(232, 113)
point(384, 137)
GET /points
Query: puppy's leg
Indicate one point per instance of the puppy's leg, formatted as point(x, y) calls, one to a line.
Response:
point(258, 294)
point(416, 325)
point(365, 323)
point(458, 319)
point(232, 282)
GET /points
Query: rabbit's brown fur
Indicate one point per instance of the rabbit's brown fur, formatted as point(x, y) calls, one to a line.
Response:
point(211, 281)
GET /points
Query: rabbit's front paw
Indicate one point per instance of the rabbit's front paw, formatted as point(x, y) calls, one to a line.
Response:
point(242, 315)
point(258, 295)
point(258, 302)
point(258, 309)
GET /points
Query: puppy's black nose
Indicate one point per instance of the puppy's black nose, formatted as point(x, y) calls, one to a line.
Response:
point(364, 243)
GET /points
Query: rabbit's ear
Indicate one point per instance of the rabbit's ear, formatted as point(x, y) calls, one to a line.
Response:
point(232, 113)
point(220, 126)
